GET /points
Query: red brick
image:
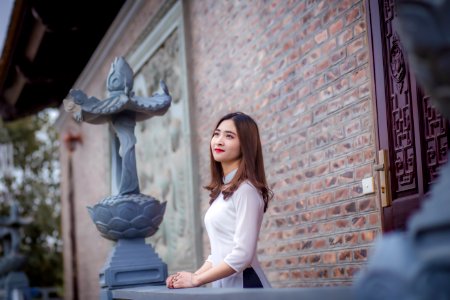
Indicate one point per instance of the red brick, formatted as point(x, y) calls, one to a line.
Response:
point(359, 222)
point(353, 15)
point(321, 36)
point(319, 214)
point(374, 219)
point(336, 240)
point(341, 194)
point(314, 259)
point(330, 181)
point(358, 77)
point(322, 66)
point(352, 270)
point(349, 208)
point(345, 36)
point(345, 255)
point(329, 46)
point(336, 27)
point(351, 238)
point(342, 224)
point(334, 211)
point(359, 28)
point(363, 172)
point(368, 236)
point(296, 275)
point(338, 164)
point(345, 177)
point(360, 254)
point(338, 272)
point(329, 258)
point(332, 73)
point(319, 244)
point(367, 205)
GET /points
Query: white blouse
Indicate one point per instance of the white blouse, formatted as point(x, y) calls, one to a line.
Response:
point(233, 227)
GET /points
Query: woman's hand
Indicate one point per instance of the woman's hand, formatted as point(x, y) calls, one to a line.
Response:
point(182, 280)
point(169, 281)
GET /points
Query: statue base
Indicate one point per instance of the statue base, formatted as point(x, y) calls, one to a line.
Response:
point(131, 262)
point(14, 285)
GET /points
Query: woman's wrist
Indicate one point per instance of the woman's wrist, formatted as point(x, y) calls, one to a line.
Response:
point(195, 280)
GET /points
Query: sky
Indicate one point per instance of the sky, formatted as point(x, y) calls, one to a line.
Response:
point(6, 7)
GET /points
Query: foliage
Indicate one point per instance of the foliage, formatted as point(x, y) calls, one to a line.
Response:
point(34, 184)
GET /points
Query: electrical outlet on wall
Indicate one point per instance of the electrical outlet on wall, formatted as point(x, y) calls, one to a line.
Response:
point(368, 185)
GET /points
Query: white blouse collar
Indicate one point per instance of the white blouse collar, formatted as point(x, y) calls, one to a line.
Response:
point(227, 179)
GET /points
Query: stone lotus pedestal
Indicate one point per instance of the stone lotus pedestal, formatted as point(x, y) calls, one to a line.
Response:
point(129, 217)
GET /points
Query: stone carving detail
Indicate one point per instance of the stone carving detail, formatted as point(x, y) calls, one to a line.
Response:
point(174, 241)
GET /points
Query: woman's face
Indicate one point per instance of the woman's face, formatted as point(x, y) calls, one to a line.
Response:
point(225, 145)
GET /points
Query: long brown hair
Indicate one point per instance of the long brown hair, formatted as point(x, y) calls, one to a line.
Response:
point(251, 166)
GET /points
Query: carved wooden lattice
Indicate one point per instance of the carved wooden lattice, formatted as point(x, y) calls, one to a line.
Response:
point(436, 140)
point(401, 110)
point(431, 128)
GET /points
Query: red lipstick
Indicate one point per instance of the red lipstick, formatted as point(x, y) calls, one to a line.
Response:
point(217, 150)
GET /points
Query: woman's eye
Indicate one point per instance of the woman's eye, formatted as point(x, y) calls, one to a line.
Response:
point(229, 136)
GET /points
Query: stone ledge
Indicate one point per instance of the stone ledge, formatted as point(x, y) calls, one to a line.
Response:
point(163, 293)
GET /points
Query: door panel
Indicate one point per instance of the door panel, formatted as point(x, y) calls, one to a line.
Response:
point(415, 135)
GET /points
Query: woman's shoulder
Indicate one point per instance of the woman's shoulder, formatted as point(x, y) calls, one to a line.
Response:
point(247, 193)
point(247, 188)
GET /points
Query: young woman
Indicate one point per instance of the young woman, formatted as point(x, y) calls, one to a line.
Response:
point(238, 199)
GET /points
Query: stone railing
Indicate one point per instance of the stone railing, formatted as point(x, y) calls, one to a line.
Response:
point(163, 293)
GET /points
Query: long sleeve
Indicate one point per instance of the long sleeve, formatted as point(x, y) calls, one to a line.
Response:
point(249, 208)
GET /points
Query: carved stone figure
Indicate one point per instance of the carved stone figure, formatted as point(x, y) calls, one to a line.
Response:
point(122, 109)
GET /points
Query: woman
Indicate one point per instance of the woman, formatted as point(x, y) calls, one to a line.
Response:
point(238, 199)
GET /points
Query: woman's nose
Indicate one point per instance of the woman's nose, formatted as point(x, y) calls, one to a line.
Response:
point(219, 140)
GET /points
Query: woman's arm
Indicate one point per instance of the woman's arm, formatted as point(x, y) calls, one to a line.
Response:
point(205, 267)
point(187, 279)
point(171, 278)
point(220, 271)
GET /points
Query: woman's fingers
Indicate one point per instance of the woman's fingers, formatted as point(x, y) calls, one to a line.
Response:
point(169, 281)
point(182, 280)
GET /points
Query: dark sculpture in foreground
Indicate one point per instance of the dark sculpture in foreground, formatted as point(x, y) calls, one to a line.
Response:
point(130, 216)
point(416, 264)
point(12, 262)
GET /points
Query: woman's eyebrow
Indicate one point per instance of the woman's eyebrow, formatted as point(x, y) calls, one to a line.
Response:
point(226, 131)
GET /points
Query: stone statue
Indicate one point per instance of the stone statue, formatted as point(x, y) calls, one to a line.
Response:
point(130, 216)
point(122, 109)
point(12, 262)
point(416, 264)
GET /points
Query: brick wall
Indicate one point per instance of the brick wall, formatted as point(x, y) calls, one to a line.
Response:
point(301, 69)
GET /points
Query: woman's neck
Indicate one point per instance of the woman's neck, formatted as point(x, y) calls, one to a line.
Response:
point(227, 168)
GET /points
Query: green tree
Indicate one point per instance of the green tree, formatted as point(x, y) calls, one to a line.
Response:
point(35, 185)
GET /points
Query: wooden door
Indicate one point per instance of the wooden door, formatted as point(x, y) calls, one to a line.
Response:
point(409, 128)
